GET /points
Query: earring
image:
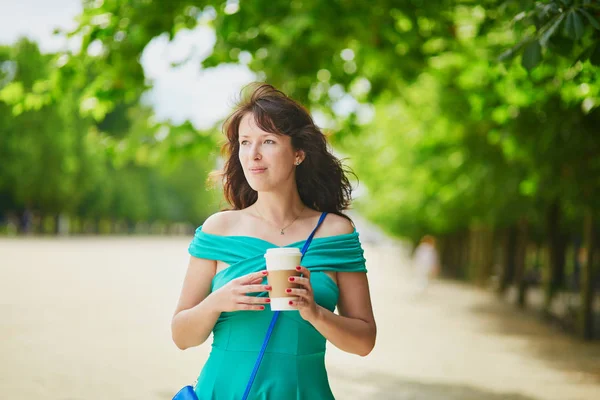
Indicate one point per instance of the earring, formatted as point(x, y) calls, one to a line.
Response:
point(297, 162)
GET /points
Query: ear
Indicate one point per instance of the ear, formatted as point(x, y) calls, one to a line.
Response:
point(300, 156)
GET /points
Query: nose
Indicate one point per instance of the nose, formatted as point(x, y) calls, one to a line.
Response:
point(255, 152)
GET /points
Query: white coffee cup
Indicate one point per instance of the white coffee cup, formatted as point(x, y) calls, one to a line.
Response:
point(281, 264)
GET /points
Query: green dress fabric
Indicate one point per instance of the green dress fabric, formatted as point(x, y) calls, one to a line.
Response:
point(293, 366)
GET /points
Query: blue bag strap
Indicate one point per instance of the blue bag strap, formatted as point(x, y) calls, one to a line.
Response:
point(312, 234)
point(276, 315)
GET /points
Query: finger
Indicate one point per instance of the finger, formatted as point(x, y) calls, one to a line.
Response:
point(240, 284)
point(250, 307)
point(304, 271)
point(255, 288)
point(300, 281)
point(298, 303)
point(246, 279)
point(253, 300)
point(255, 281)
point(299, 292)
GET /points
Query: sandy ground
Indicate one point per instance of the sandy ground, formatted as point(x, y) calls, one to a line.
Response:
point(88, 318)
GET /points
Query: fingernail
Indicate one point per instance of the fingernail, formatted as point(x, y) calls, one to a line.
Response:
point(269, 288)
point(264, 272)
point(268, 300)
point(288, 290)
point(291, 303)
point(291, 279)
point(298, 268)
point(262, 307)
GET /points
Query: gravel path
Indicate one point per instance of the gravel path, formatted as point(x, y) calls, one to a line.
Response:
point(88, 318)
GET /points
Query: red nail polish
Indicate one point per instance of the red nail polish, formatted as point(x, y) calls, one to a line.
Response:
point(291, 279)
point(262, 307)
point(291, 303)
point(288, 290)
point(264, 272)
point(298, 268)
point(268, 300)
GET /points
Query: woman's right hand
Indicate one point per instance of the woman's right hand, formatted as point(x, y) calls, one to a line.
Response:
point(233, 296)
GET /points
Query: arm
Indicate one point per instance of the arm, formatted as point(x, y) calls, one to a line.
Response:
point(354, 329)
point(195, 315)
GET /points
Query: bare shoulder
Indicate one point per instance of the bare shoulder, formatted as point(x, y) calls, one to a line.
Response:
point(336, 225)
point(220, 223)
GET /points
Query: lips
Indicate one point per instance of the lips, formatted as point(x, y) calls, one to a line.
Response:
point(258, 169)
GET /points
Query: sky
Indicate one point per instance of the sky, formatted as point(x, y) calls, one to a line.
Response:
point(186, 92)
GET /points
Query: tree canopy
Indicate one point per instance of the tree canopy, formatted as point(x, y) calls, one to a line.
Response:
point(477, 111)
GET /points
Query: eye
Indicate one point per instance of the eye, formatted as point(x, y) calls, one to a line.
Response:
point(269, 140)
point(243, 142)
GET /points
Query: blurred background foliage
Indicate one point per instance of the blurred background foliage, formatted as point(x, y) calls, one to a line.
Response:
point(475, 121)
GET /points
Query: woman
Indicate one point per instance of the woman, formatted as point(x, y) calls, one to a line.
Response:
point(279, 177)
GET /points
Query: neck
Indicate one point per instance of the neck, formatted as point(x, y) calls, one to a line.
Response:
point(279, 207)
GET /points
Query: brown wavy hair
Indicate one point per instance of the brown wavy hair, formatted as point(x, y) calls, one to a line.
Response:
point(321, 178)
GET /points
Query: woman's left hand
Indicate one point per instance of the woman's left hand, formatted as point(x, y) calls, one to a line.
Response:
point(309, 310)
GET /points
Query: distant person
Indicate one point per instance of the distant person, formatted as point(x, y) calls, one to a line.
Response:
point(26, 221)
point(282, 183)
point(425, 262)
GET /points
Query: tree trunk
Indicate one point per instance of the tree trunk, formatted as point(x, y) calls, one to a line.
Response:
point(519, 263)
point(473, 256)
point(39, 227)
point(480, 259)
point(452, 249)
point(586, 315)
point(130, 227)
point(557, 250)
point(444, 246)
point(463, 256)
point(508, 263)
point(487, 255)
point(56, 224)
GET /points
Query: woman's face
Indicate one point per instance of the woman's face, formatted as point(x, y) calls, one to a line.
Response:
point(268, 159)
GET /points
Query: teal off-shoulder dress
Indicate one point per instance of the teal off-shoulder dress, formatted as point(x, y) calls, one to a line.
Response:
point(293, 366)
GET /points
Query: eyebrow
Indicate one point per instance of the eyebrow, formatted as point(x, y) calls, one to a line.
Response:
point(266, 134)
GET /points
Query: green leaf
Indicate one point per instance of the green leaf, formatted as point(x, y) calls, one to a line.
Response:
point(583, 55)
point(569, 31)
point(12, 93)
point(561, 46)
point(591, 18)
point(532, 55)
point(545, 10)
point(510, 53)
point(579, 27)
point(552, 27)
point(528, 187)
point(574, 25)
point(595, 56)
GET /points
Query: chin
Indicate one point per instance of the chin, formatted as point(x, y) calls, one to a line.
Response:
point(261, 186)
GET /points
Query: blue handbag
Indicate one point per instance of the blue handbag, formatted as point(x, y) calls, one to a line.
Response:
point(188, 392)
